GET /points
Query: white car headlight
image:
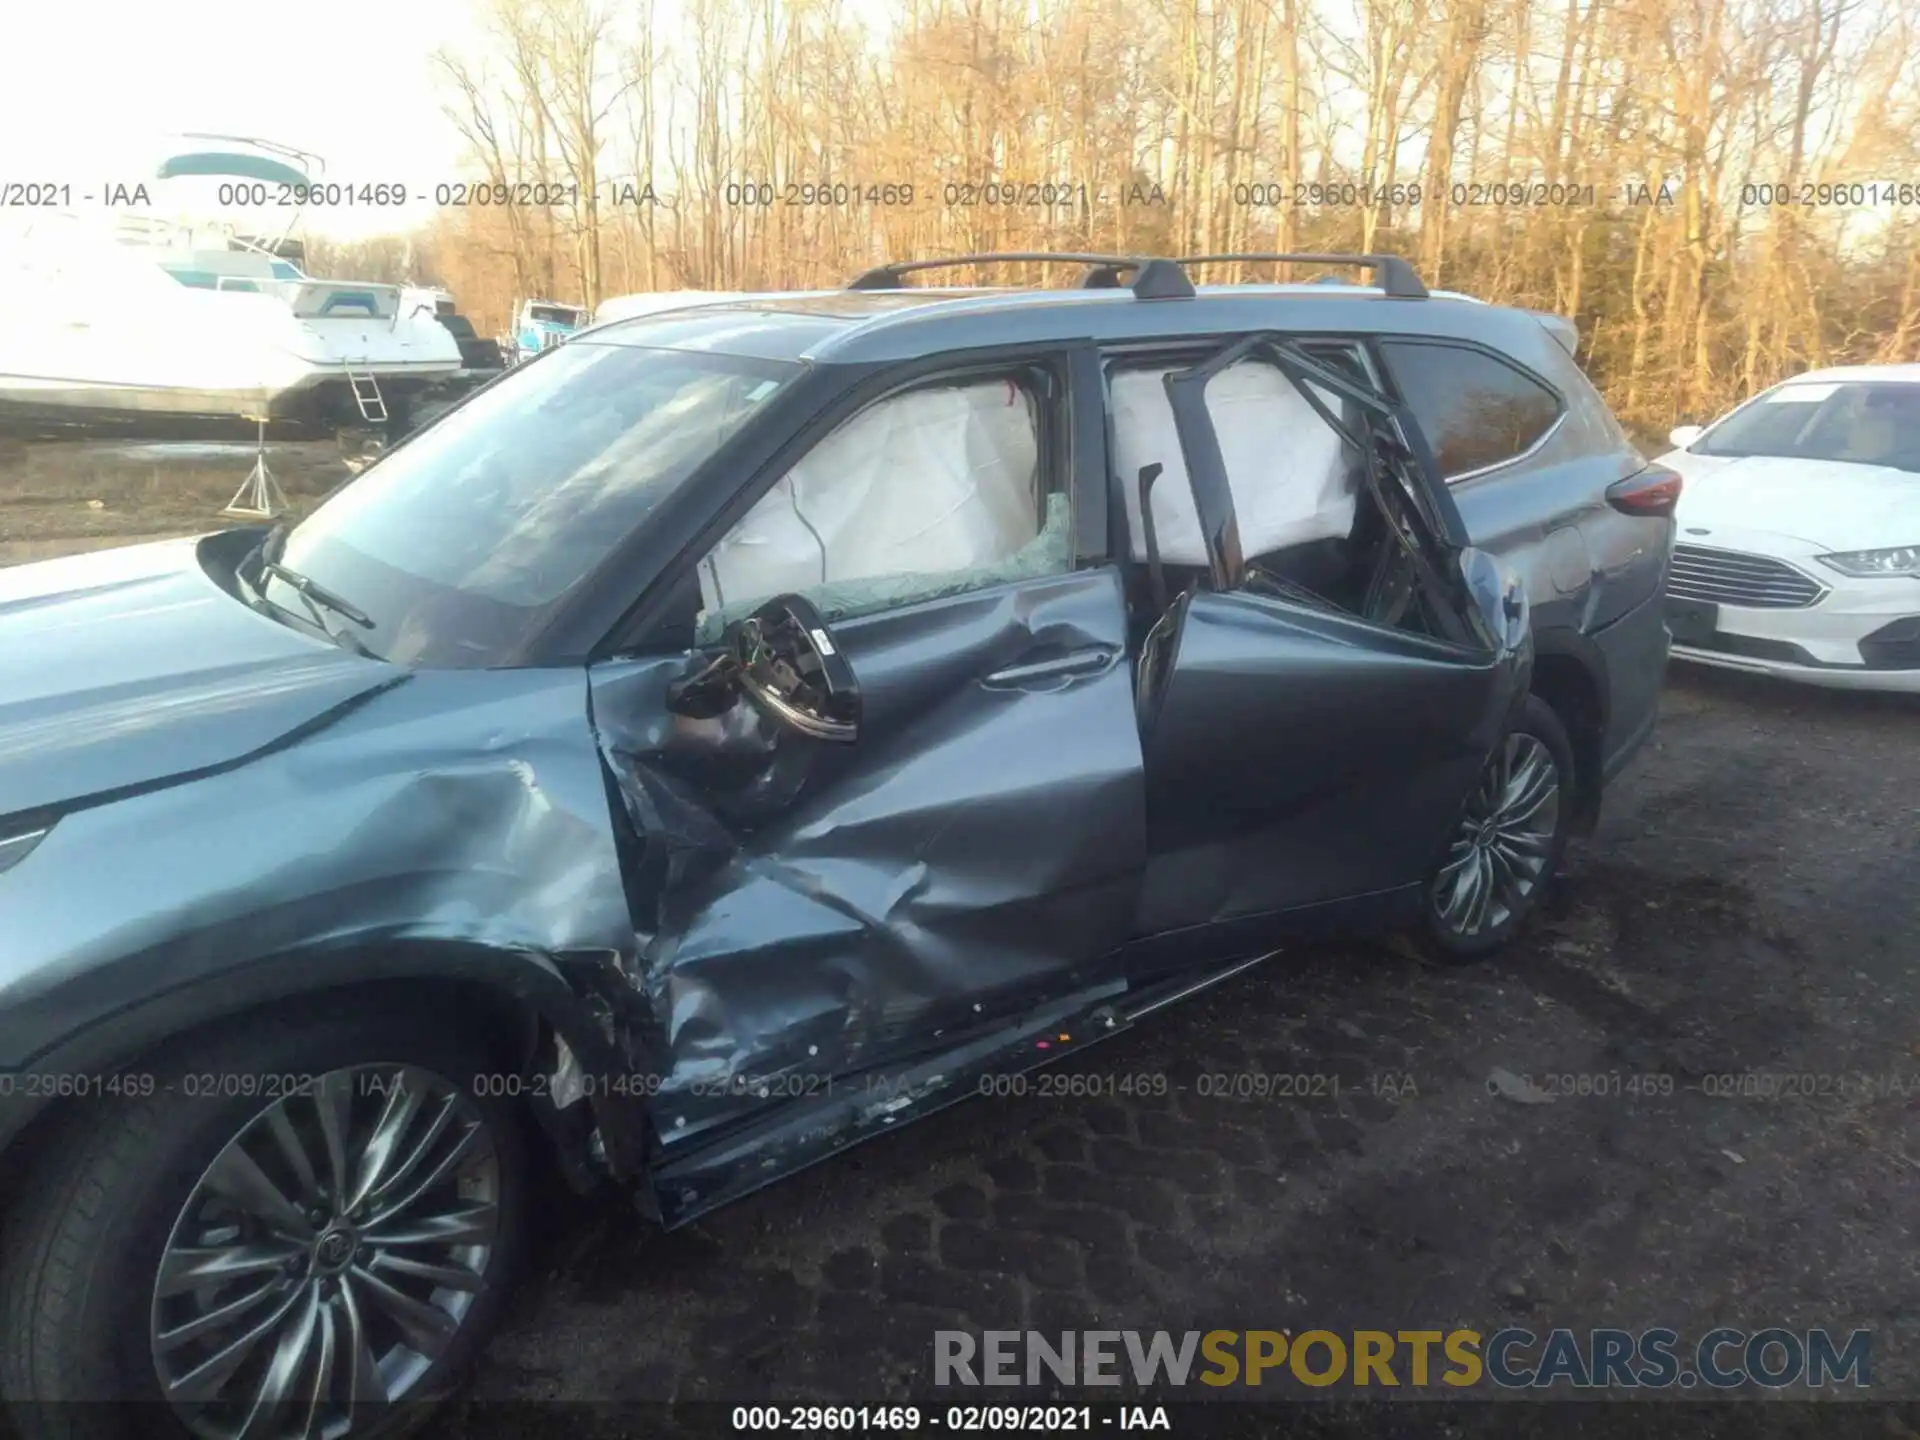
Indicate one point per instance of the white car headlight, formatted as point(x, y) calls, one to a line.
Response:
point(1900, 560)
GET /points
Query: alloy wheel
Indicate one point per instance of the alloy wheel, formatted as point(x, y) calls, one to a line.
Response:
point(1498, 856)
point(327, 1257)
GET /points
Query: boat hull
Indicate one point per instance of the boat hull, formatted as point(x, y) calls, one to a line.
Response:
point(32, 405)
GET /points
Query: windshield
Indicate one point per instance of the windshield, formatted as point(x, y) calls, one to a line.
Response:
point(459, 542)
point(554, 315)
point(1864, 422)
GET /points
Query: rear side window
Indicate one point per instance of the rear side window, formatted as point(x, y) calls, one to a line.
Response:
point(1476, 410)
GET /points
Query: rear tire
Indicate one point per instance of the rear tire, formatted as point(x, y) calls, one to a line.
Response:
point(173, 1176)
point(1502, 857)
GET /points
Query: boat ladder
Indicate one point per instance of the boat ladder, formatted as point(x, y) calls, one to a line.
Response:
point(366, 394)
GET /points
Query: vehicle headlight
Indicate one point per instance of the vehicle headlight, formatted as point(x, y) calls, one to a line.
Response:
point(1900, 560)
point(16, 845)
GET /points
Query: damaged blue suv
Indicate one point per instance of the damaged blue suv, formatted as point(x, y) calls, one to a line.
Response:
point(736, 732)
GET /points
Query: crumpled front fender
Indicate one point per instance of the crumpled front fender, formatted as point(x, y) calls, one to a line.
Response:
point(456, 827)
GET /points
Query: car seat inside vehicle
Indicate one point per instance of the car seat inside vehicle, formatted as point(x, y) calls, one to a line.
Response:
point(1887, 429)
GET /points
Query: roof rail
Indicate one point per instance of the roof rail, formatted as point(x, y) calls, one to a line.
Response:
point(1393, 275)
point(1152, 279)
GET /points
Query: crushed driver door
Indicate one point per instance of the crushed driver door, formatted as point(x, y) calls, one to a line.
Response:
point(1298, 753)
point(925, 876)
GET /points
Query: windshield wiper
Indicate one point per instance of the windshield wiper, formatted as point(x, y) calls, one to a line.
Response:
point(345, 638)
point(313, 596)
point(313, 590)
point(263, 560)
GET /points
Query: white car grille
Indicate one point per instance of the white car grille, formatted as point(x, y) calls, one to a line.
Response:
point(1730, 578)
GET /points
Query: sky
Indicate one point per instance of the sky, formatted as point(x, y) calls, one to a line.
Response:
point(92, 90)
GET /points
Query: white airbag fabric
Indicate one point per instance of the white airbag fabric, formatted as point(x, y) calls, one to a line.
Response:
point(923, 484)
point(1285, 465)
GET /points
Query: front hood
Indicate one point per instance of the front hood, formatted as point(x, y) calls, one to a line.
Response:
point(131, 667)
point(1830, 504)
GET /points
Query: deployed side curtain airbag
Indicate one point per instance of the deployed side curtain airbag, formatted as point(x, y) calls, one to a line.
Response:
point(1285, 465)
point(1048, 553)
point(926, 483)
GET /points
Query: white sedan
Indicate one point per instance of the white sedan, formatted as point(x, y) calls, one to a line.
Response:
point(1797, 551)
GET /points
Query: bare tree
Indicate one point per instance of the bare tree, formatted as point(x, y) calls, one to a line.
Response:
point(1663, 170)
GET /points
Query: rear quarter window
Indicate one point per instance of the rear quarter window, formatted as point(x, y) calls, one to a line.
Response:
point(1476, 410)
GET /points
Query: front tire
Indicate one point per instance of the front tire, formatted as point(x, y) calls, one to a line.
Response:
point(1503, 854)
point(308, 1226)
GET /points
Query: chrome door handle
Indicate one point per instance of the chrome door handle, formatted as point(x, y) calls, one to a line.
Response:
point(1055, 669)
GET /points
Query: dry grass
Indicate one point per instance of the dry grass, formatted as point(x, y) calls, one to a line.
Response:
point(59, 497)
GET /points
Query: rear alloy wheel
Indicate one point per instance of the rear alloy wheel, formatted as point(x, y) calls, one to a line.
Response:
point(1503, 853)
point(304, 1227)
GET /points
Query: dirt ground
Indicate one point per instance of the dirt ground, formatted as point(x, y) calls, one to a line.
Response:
point(62, 497)
point(1747, 909)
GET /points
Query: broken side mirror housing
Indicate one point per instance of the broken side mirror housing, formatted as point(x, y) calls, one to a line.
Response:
point(785, 660)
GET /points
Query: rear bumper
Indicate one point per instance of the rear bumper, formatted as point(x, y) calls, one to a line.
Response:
point(1634, 650)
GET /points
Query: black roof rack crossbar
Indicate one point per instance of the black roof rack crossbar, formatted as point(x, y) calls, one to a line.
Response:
point(1152, 279)
point(1394, 276)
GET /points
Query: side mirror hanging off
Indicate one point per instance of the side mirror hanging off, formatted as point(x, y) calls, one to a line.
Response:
point(787, 663)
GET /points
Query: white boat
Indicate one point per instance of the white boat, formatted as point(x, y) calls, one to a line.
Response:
point(480, 359)
point(118, 318)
